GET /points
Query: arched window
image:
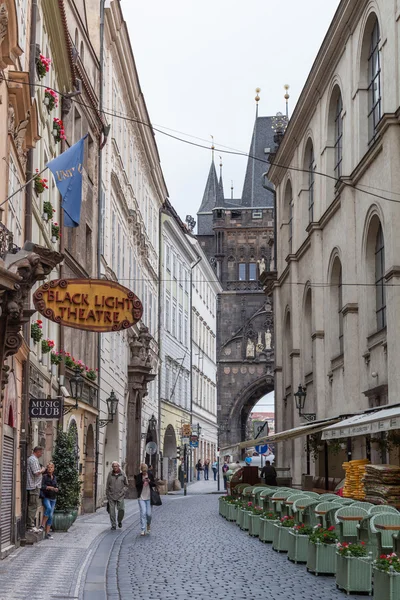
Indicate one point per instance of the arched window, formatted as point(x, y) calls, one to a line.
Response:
point(338, 137)
point(340, 310)
point(309, 166)
point(287, 375)
point(336, 307)
point(380, 279)
point(374, 83)
point(76, 39)
point(288, 214)
point(307, 333)
point(82, 53)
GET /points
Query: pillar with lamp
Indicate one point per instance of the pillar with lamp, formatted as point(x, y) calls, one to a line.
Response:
point(300, 399)
point(112, 404)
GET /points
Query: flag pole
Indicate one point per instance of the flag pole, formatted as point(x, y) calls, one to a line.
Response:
point(24, 186)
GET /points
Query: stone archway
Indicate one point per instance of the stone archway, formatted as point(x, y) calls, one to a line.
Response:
point(88, 482)
point(169, 455)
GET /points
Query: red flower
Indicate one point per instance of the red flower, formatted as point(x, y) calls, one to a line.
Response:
point(331, 528)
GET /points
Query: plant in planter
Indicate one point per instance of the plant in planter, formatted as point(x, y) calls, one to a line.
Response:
point(68, 497)
point(281, 534)
point(298, 543)
point(47, 345)
point(254, 521)
point(321, 556)
point(267, 522)
point(58, 130)
point(69, 361)
point(40, 183)
point(353, 568)
point(42, 66)
point(50, 99)
point(92, 375)
point(48, 211)
point(387, 577)
point(56, 357)
point(36, 331)
point(55, 232)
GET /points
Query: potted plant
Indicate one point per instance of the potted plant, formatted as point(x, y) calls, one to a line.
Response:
point(267, 529)
point(232, 509)
point(42, 65)
point(281, 534)
point(50, 99)
point(321, 556)
point(92, 375)
point(387, 577)
point(48, 211)
point(68, 497)
point(47, 345)
point(353, 568)
point(40, 183)
point(254, 521)
point(247, 510)
point(58, 130)
point(298, 543)
point(55, 232)
point(36, 331)
point(69, 361)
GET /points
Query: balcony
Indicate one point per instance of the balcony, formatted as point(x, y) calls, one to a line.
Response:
point(243, 286)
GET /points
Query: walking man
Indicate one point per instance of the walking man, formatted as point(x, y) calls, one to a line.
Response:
point(117, 484)
point(33, 485)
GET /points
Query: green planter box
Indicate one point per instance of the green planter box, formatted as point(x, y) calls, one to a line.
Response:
point(254, 525)
point(246, 519)
point(353, 574)
point(281, 538)
point(220, 505)
point(268, 530)
point(386, 585)
point(232, 512)
point(321, 558)
point(298, 547)
point(239, 517)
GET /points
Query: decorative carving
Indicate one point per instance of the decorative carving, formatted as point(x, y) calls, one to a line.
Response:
point(250, 349)
point(262, 266)
point(11, 119)
point(19, 139)
point(268, 340)
point(3, 22)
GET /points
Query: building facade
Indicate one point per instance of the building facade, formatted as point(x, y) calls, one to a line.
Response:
point(337, 295)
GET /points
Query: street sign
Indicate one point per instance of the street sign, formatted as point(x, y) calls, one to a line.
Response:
point(45, 409)
point(151, 448)
point(194, 441)
point(186, 430)
point(185, 441)
point(262, 449)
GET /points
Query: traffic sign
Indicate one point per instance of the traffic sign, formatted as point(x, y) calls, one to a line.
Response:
point(186, 429)
point(262, 449)
point(248, 460)
point(151, 448)
point(194, 441)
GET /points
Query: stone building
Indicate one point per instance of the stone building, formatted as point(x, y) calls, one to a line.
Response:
point(337, 294)
point(235, 236)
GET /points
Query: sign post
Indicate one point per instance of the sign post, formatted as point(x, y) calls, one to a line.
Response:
point(186, 435)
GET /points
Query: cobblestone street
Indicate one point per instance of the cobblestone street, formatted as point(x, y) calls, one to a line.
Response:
point(191, 553)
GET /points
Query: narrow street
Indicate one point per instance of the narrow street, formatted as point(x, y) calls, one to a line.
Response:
point(191, 553)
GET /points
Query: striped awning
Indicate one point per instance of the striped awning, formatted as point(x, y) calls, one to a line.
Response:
point(364, 424)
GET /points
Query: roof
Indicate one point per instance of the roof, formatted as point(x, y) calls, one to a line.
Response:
point(263, 139)
point(213, 194)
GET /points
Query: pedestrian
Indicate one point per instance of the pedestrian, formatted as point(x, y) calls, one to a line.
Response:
point(116, 487)
point(49, 493)
point(206, 469)
point(225, 469)
point(144, 483)
point(199, 468)
point(215, 469)
point(269, 473)
point(33, 486)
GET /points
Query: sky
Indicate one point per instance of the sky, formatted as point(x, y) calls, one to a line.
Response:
point(199, 64)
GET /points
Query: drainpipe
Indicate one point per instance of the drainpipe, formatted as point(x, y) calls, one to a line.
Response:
point(24, 431)
point(192, 266)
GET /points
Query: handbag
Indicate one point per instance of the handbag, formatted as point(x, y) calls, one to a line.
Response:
point(155, 498)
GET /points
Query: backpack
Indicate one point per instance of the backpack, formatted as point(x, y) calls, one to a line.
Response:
point(225, 468)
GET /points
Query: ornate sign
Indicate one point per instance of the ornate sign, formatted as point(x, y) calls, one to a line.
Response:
point(90, 304)
point(45, 409)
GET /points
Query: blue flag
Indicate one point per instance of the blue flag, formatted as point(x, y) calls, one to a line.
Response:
point(67, 171)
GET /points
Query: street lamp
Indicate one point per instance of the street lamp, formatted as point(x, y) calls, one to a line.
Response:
point(112, 403)
point(300, 399)
point(76, 384)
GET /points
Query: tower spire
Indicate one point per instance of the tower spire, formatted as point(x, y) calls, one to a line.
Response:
point(220, 167)
point(286, 86)
point(257, 99)
point(212, 147)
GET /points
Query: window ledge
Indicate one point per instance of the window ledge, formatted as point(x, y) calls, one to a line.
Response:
point(377, 338)
point(337, 362)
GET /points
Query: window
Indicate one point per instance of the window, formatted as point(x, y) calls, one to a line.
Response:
point(167, 380)
point(180, 326)
point(185, 331)
point(180, 275)
point(168, 257)
point(173, 266)
point(253, 272)
point(236, 214)
point(380, 280)
point(15, 204)
point(167, 313)
point(114, 240)
point(186, 276)
point(290, 226)
point(340, 308)
point(242, 271)
point(173, 319)
point(311, 183)
point(374, 87)
point(257, 214)
point(338, 137)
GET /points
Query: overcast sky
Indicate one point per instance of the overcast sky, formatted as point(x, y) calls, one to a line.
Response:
point(199, 64)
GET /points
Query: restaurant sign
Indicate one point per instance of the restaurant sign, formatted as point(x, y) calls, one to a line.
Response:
point(95, 305)
point(45, 409)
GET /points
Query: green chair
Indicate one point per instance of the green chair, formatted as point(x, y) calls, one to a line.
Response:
point(346, 520)
point(346, 501)
point(382, 508)
point(312, 494)
point(325, 513)
point(237, 490)
point(385, 540)
point(287, 505)
point(265, 498)
point(364, 528)
point(365, 505)
point(277, 499)
point(257, 491)
point(329, 497)
point(246, 493)
point(303, 510)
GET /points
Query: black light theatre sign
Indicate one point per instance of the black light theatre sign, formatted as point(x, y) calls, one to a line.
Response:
point(47, 409)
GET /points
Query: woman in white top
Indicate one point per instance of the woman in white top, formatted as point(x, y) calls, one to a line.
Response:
point(144, 482)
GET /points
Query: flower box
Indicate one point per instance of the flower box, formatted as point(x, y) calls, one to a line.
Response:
point(245, 520)
point(298, 547)
point(386, 585)
point(353, 574)
point(221, 505)
point(268, 530)
point(254, 525)
point(321, 558)
point(232, 512)
point(281, 538)
point(239, 516)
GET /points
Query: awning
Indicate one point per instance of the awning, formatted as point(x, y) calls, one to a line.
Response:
point(229, 450)
point(307, 429)
point(365, 423)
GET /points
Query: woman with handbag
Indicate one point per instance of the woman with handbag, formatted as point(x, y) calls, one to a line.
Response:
point(48, 493)
point(145, 484)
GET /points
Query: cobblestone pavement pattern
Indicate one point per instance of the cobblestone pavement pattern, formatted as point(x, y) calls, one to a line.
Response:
point(191, 553)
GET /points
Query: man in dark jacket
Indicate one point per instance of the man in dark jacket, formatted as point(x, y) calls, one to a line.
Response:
point(117, 484)
point(269, 473)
